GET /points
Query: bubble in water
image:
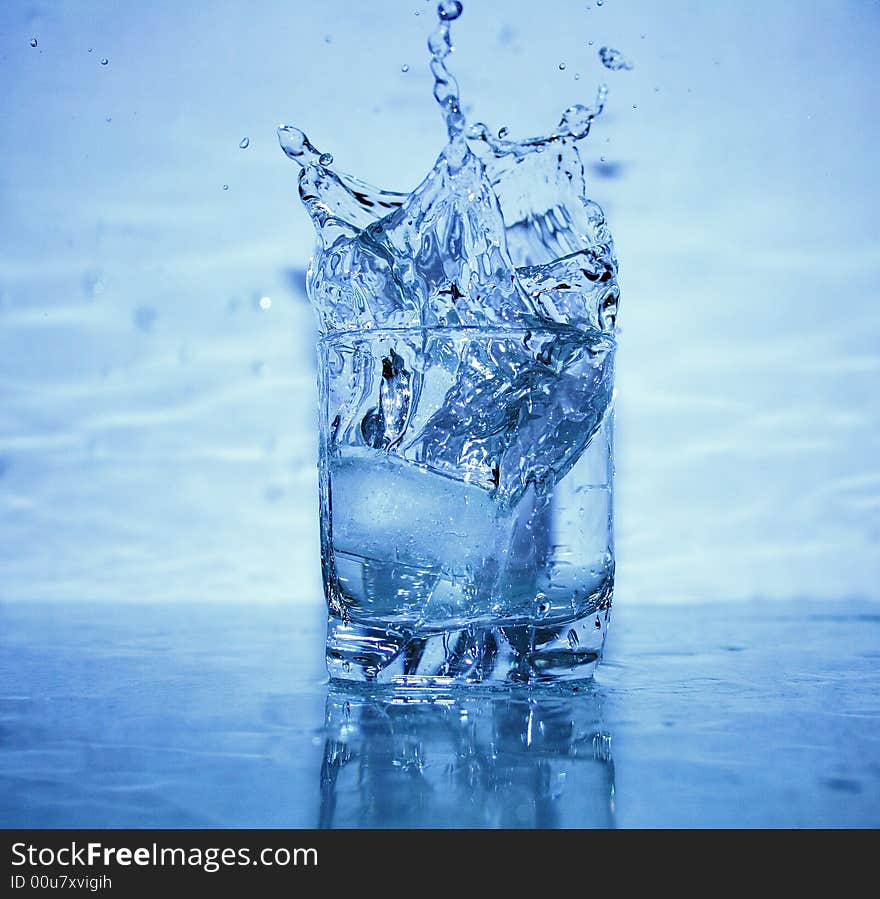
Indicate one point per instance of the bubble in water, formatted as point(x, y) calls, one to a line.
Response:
point(33, 42)
point(104, 61)
point(614, 59)
point(404, 68)
point(449, 10)
point(326, 159)
point(244, 143)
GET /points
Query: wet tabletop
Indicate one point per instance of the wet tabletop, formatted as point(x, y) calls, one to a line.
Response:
point(218, 715)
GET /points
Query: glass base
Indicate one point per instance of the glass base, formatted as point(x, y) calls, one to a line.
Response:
point(494, 653)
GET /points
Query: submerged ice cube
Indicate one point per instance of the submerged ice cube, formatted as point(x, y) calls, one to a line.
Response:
point(392, 511)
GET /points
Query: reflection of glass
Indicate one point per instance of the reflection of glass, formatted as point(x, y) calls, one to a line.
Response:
point(485, 759)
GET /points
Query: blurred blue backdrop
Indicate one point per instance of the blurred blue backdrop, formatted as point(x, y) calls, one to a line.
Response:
point(157, 423)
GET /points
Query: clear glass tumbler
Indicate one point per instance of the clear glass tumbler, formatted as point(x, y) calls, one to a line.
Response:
point(466, 503)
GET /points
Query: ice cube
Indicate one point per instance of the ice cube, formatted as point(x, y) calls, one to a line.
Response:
point(387, 509)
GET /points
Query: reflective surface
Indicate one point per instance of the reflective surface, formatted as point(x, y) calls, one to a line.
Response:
point(729, 715)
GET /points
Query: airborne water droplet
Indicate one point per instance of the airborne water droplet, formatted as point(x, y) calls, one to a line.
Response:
point(244, 143)
point(225, 187)
point(104, 61)
point(614, 60)
point(404, 68)
point(33, 42)
point(326, 159)
point(502, 132)
point(449, 10)
point(562, 67)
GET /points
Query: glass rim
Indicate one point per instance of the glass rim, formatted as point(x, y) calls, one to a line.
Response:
point(587, 334)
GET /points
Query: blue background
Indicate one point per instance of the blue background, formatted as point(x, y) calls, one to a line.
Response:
point(157, 426)
point(160, 599)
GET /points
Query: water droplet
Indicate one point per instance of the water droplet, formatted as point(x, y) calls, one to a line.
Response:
point(614, 60)
point(562, 67)
point(326, 159)
point(108, 118)
point(33, 42)
point(104, 61)
point(577, 76)
point(635, 105)
point(404, 68)
point(265, 303)
point(328, 38)
point(589, 43)
point(292, 140)
point(449, 10)
point(244, 143)
point(502, 132)
point(573, 639)
point(225, 187)
point(600, 2)
point(601, 159)
point(598, 623)
point(543, 605)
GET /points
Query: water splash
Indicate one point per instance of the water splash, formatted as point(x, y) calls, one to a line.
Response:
point(500, 234)
point(500, 231)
